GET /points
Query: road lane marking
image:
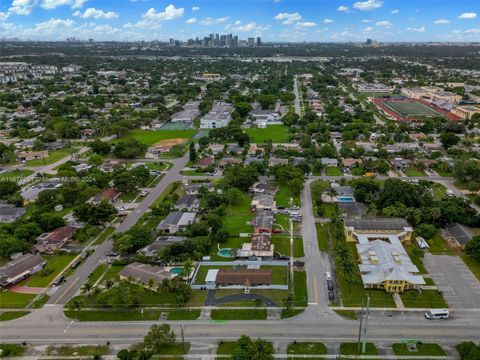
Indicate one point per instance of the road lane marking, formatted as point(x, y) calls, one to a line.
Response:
point(71, 285)
point(315, 292)
point(68, 327)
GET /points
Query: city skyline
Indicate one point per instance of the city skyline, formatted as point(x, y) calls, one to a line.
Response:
point(273, 21)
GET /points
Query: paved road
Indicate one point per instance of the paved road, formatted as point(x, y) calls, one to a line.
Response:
point(47, 326)
point(74, 282)
point(298, 109)
point(316, 262)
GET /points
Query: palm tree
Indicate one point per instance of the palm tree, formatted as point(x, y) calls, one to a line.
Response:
point(87, 288)
point(257, 302)
point(109, 284)
point(289, 302)
point(164, 286)
point(187, 268)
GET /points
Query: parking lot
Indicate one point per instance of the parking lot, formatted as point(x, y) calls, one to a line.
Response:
point(458, 285)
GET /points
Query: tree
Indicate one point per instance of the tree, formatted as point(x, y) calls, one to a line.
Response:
point(87, 288)
point(94, 214)
point(295, 186)
point(8, 188)
point(125, 182)
point(247, 349)
point(95, 159)
point(449, 139)
point(468, 350)
point(141, 175)
point(243, 108)
point(187, 268)
point(193, 152)
point(100, 147)
point(129, 149)
point(159, 337)
point(427, 231)
point(289, 302)
point(472, 248)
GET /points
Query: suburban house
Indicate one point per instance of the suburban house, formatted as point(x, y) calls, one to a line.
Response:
point(456, 235)
point(108, 195)
point(262, 187)
point(349, 163)
point(159, 243)
point(144, 273)
point(31, 155)
point(274, 161)
point(176, 221)
point(400, 163)
point(386, 265)
point(263, 202)
point(329, 162)
point(357, 229)
point(243, 277)
point(9, 214)
point(55, 240)
point(204, 162)
point(20, 268)
point(224, 162)
point(192, 189)
point(263, 221)
point(262, 118)
point(261, 246)
point(188, 203)
point(220, 116)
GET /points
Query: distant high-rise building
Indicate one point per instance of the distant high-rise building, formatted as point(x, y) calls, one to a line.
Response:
point(259, 41)
point(369, 41)
point(235, 41)
point(251, 41)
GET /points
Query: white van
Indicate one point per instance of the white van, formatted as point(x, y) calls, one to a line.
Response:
point(437, 314)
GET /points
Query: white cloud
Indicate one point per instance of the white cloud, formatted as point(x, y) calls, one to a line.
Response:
point(96, 14)
point(368, 29)
point(213, 21)
point(195, 8)
point(328, 21)
point(191, 21)
point(419, 29)
point(249, 27)
point(384, 23)
point(441, 22)
point(55, 27)
point(22, 7)
point(343, 8)
point(143, 24)
point(367, 21)
point(53, 4)
point(170, 13)
point(288, 18)
point(394, 12)
point(304, 24)
point(346, 33)
point(368, 5)
point(472, 31)
point(467, 15)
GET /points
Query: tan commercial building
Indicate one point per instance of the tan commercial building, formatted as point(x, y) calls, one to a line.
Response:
point(466, 111)
point(431, 94)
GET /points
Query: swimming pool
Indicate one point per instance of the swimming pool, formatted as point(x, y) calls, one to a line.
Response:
point(226, 253)
point(345, 199)
point(176, 271)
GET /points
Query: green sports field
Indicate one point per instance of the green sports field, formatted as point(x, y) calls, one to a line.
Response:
point(411, 109)
point(150, 137)
point(276, 133)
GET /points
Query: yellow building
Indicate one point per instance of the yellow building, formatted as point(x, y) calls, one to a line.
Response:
point(466, 111)
point(356, 228)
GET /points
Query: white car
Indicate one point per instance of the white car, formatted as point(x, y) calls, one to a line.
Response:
point(328, 275)
point(144, 193)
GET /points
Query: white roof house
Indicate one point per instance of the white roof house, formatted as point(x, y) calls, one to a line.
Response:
point(385, 264)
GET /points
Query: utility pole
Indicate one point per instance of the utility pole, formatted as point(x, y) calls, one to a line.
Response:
point(365, 328)
point(291, 256)
point(360, 328)
point(183, 340)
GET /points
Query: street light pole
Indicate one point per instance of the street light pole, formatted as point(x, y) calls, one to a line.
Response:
point(365, 329)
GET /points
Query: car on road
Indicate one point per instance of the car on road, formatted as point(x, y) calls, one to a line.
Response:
point(154, 172)
point(59, 280)
point(433, 314)
point(111, 254)
point(330, 285)
point(75, 263)
point(143, 193)
point(328, 275)
point(331, 295)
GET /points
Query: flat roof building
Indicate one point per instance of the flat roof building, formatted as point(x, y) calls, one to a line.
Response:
point(220, 116)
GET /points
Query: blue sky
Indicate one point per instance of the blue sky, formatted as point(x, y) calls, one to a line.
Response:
point(273, 20)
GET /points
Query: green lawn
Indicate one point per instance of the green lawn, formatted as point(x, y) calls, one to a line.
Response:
point(9, 299)
point(333, 171)
point(328, 210)
point(40, 301)
point(472, 264)
point(151, 137)
point(322, 236)
point(183, 314)
point(95, 275)
point(18, 174)
point(55, 262)
point(243, 314)
point(129, 197)
point(352, 349)
point(237, 216)
point(413, 171)
point(276, 133)
point(175, 187)
point(283, 195)
point(300, 288)
point(438, 246)
point(11, 315)
point(112, 272)
point(104, 235)
point(282, 222)
point(428, 299)
point(279, 274)
point(105, 315)
point(444, 173)
point(422, 350)
point(52, 157)
point(282, 245)
point(12, 350)
point(226, 347)
point(349, 314)
point(307, 348)
point(87, 350)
